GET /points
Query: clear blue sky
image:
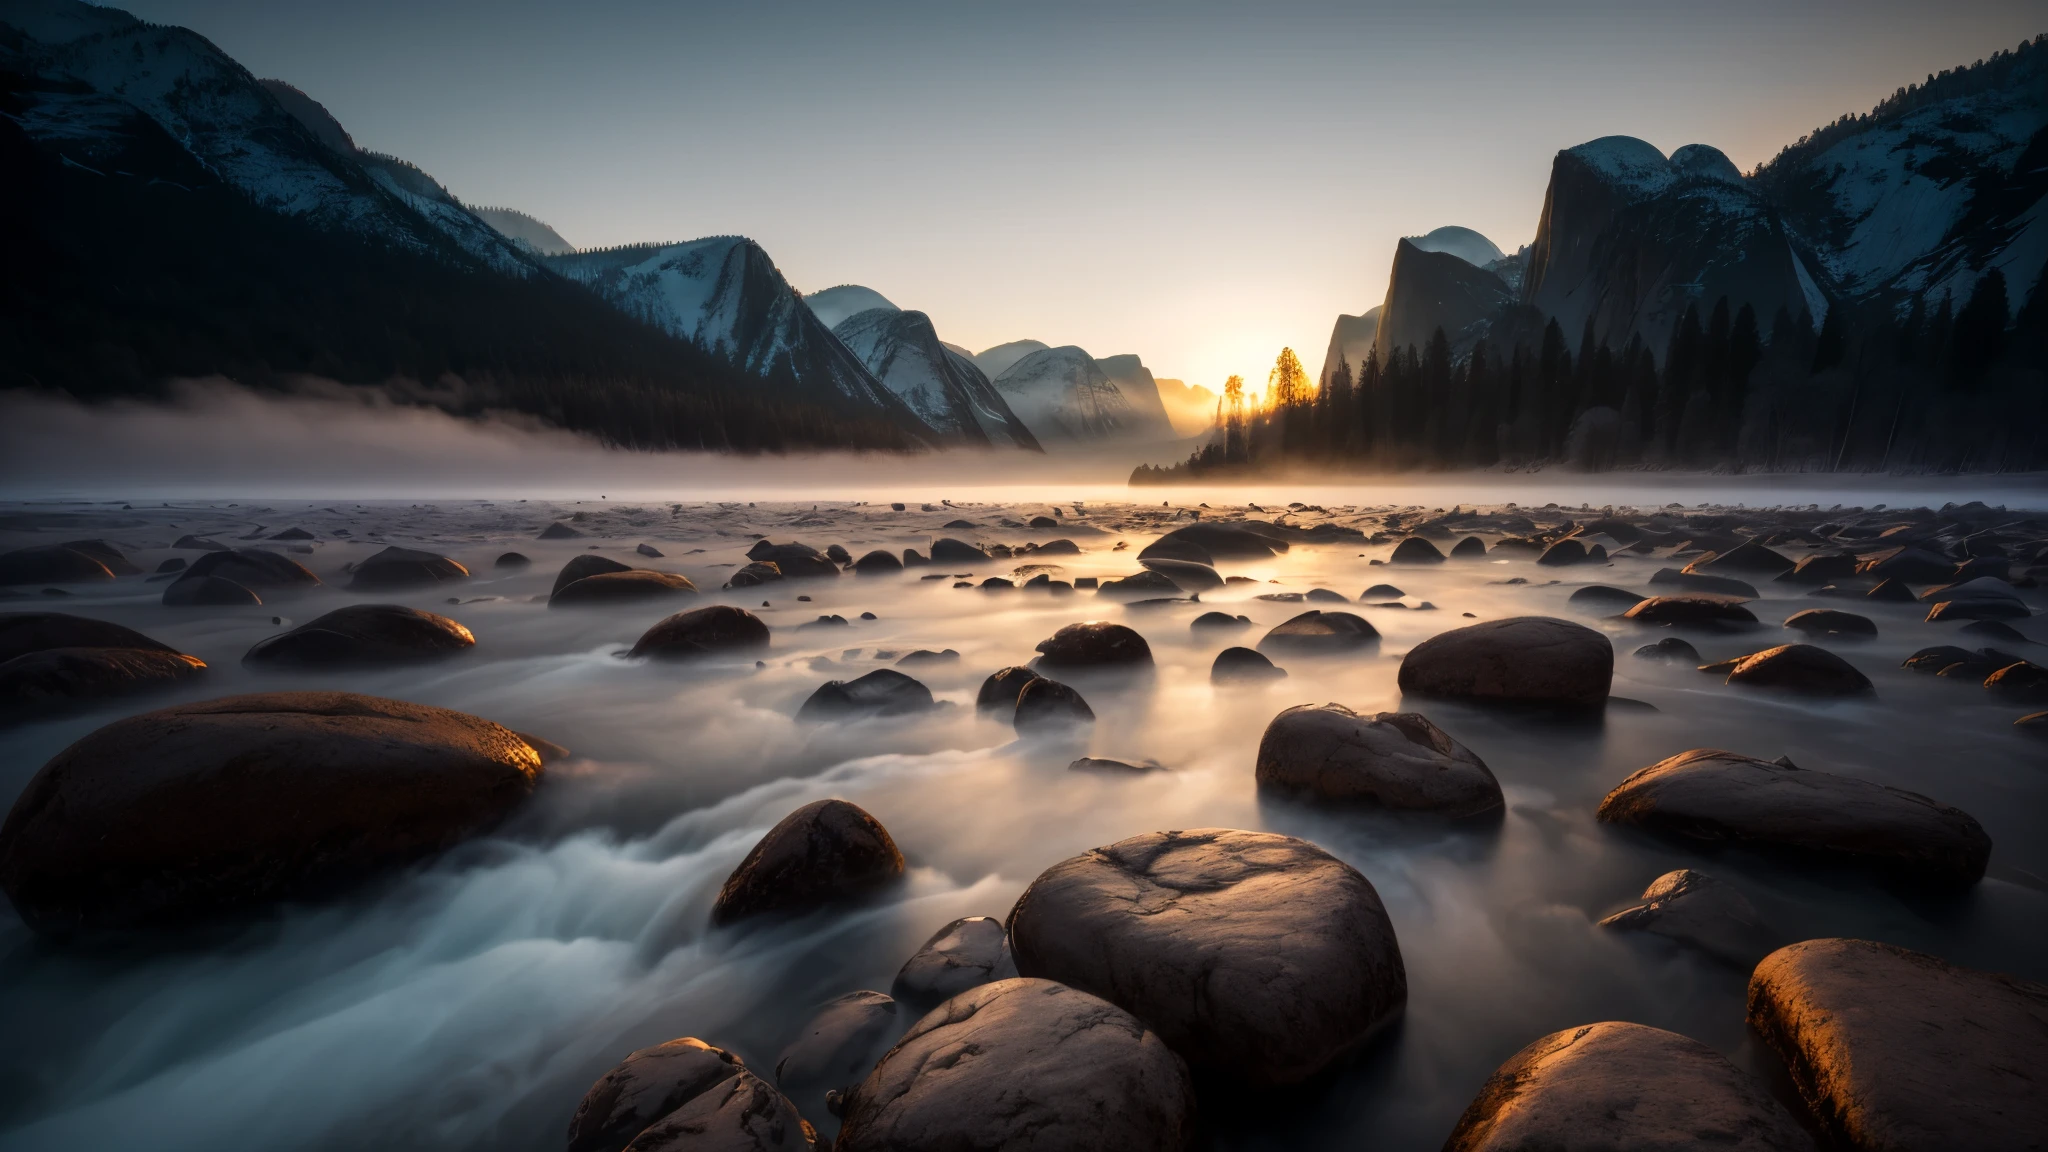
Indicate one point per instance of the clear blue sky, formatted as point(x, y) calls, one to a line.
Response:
point(1196, 183)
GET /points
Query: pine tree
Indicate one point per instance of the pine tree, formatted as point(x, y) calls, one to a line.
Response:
point(1979, 336)
point(1681, 364)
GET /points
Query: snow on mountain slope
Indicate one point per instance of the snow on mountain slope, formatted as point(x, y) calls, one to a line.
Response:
point(1135, 381)
point(520, 228)
point(1464, 243)
point(834, 305)
point(997, 360)
point(1062, 394)
point(945, 389)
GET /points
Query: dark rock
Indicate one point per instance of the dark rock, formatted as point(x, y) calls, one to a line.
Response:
point(294, 534)
point(1220, 622)
point(1283, 598)
point(964, 954)
point(1820, 568)
point(1932, 660)
point(1085, 582)
point(1699, 911)
point(51, 564)
point(2034, 722)
point(1470, 548)
point(1620, 1086)
point(1978, 588)
point(1748, 558)
point(1326, 596)
point(52, 681)
point(174, 564)
point(364, 634)
point(213, 807)
point(999, 692)
point(1697, 582)
point(512, 560)
point(629, 587)
point(1566, 551)
point(686, 1095)
point(1141, 584)
point(1393, 760)
point(25, 632)
point(1416, 550)
point(837, 1048)
point(558, 531)
point(883, 692)
point(1710, 612)
point(1800, 668)
point(1061, 547)
point(831, 621)
point(1235, 665)
point(794, 561)
point(1024, 1064)
point(404, 568)
point(822, 853)
point(1989, 608)
point(1829, 622)
point(878, 563)
point(1381, 592)
point(961, 524)
point(755, 574)
point(115, 561)
point(200, 542)
point(1891, 592)
point(1670, 648)
point(1320, 633)
point(1256, 956)
point(1047, 705)
point(1908, 564)
point(838, 554)
point(1606, 600)
point(947, 550)
point(1094, 644)
point(1114, 767)
point(252, 568)
point(1186, 575)
point(1994, 630)
point(715, 630)
point(925, 657)
point(1714, 796)
point(208, 591)
point(1521, 660)
point(2021, 680)
point(998, 584)
point(1898, 1049)
point(1177, 548)
point(1228, 541)
point(1044, 522)
point(648, 550)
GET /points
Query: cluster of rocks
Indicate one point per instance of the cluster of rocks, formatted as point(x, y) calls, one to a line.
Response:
point(52, 662)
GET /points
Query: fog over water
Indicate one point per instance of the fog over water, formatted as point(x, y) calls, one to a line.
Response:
point(468, 1003)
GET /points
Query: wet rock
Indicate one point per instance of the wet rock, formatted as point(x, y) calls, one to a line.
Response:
point(1994, 630)
point(1891, 1048)
point(717, 630)
point(51, 564)
point(925, 657)
point(1186, 575)
point(1029, 1065)
point(1705, 612)
point(199, 542)
point(1381, 592)
point(964, 954)
point(1140, 584)
point(1320, 633)
point(1177, 548)
point(1620, 1087)
point(629, 587)
point(823, 853)
point(997, 584)
point(114, 559)
point(1748, 558)
point(213, 807)
point(1697, 910)
point(404, 568)
point(1908, 564)
point(558, 531)
point(172, 566)
point(1219, 622)
point(1714, 796)
point(1671, 649)
point(1470, 548)
point(1395, 760)
point(252, 568)
point(794, 561)
point(1820, 568)
point(947, 550)
point(1535, 660)
point(838, 554)
point(1568, 551)
point(1891, 592)
point(1801, 668)
point(208, 591)
point(1229, 541)
point(999, 692)
point(883, 692)
point(2035, 723)
point(837, 1048)
point(512, 560)
point(1416, 550)
point(1985, 609)
point(878, 563)
point(1979, 588)
point(52, 681)
point(25, 632)
point(1822, 622)
point(682, 1096)
point(1094, 644)
point(1326, 596)
point(1047, 706)
point(1698, 582)
point(2020, 680)
point(1932, 660)
point(1256, 956)
point(1114, 767)
point(1605, 600)
point(1044, 522)
point(1061, 547)
point(755, 574)
point(648, 550)
point(1238, 665)
point(361, 635)
point(912, 558)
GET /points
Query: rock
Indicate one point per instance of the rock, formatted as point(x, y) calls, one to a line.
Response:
point(878, 563)
point(1256, 956)
point(1395, 760)
point(1932, 660)
point(838, 554)
point(1800, 668)
point(837, 1048)
point(1994, 630)
point(822, 853)
point(1695, 909)
point(25, 632)
point(1320, 633)
point(2035, 723)
point(1177, 548)
point(757, 573)
point(961, 524)
point(1980, 588)
point(1697, 582)
point(1047, 705)
point(1989, 608)
point(1415, 550)
point(1819, 622)
point(1327, 596)
point(912, 558)
point(1238, 665)
point(404, 568)
point(794, 561)
point(925, 657)
point(558, 531)
point(1470, 548)
point(628, 587)
point(364, 634)
point(1620, 1087)
point(1890, 592)
point(1094, 644)
point(51, 564)
point(189, 541)
point(1044, 522)
point(1820, 568)
point(964, 954)
point(1567, 551)
point(1060, 547)
point(1707, 612)
point(112, 557)
point(1114, 767)
point(1237, 541)
point(208, 591)
point(1024, 1065)
point(1897, 1049)
point(213, 807)
point(252, 568)
point(1381, 592)
point(648, 550)
point(1603, 599)
point(686, 1095)
point(2021, 680)
point(1186, 575)
point(947, 550)
point(171, 566)
point(512, 560)
point(716, 630)
point(1000, 691)
point(584, 566)
point(998, 584)
point(1520, 660)
point(883, 692)
point(1670, 648)
point(1748, 557)
point(1908, 564)
point(1140, 584)
point(52, 681)
point(1219, 622)
point(1714, 796)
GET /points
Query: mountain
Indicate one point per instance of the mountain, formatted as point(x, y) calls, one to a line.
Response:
point(1350, 339)
point(833, 305)
point(1428, 290)
point(1191, 407)
point(516, 226)
point(1062, 394)
point(1463, 243)
point(997, 360)
point(941, 386)
point(1135, 381)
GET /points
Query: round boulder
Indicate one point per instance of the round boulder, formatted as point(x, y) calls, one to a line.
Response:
point(1140, 584)
point(1000, 691)
point(837, 1048)
point(686, 1095)
point(51, 564)
point(364, 634)
point(1094, 644)
point(1025, 1066)
point(211, 807)
point(947, 550)
point(55, 680)
point(1238, 665)
point(1390, 759)
point(1521, 660)
point(822, 853)
point(1416, 550)
point(1603, 599)
point(878, 563)
point(628, 587)
point(251, 568)
point(1820, 568)
point(208, 592)
point(1568, 551)
point(1177, 548)
point(757, 573)
point(1820, 622)
point(883, 692)
point(717, 630)
point(1186, 575)
point(1695, 909)
point(1047, 705)
point(1701, 611)
point(1470, 548)
point(1320, 633)
point(396, 567)
point(1800, 668)
point(795, 561)
point(1748, 557)
point(25, 632)
point(1219, 622)
point(964, 954)
point(512, 560)
point(1254, 955)
point(1670, 649)
point(584, 566)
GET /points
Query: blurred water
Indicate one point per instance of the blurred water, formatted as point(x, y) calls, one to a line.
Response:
point(469, 1003)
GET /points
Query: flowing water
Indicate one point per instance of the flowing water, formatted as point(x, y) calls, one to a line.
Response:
point(468, 1003)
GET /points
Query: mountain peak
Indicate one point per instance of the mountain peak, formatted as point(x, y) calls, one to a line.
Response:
point(841, 302)
point(1463, 243)
point(521, 228)
point(1705, 162)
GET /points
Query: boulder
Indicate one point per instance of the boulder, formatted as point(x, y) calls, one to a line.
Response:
point(1218, 622)
point(1177, 548)
point(115, 561)
point(838, 554)
point(878, 563)
point(512, 560)
point(2020, 680)
point(794, 561)
point(51, 681)
point(1890, 592)
point(1520, 660)
point(947, 550)
point(1697, 910)
point(1047, 705)
point(1395, 760)
point(252, 568)
point(1025, 1066)
point(883, 692)
point(396, 567)
point(717, 630)
point(1000, 691)
point(1060, 547)
point(1891, 1048)
point(1994, 630)
point(1908, 564)
point(1094, 644)
point(1326, 596)
point(1239, 665)
point(1186, 575)
point(1980, 588)
point(822, 853)
point(925, 657)
point(1320, 633)
point(1930, 661)
point(964, 954)
point(1820, 568)
point(1470, 548)
point(1801, 668)
point(1714, 796)
point(1670, 648)
point(1416, 550)
point(1821, 622)
point(213, 807)
point(1257, 956)
point(628, 587)
point(558, 531)
point(1570, 551)
point(1620, 1087)
point(1748, 558)
point(682, 1096)
point(25, 632)
point(1988, 608)
point(584, 566)
point(171, 567)
point(757, 573)
point(51, 564)
point(648, 550)
point(912, 558)
point(1699, 582)
point(200, 542)
point(1717, 613)
point(837, 1048)
point(1043, 522)
point(1604, 600)
point(1228, 541)
point(1381, 592)
point(364, 634)
point(1140, 585)
point(208, 592)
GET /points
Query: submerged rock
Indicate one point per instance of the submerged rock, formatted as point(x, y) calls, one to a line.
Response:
point(878, 563)
point(1186, 575)
point(1470, 548)
point(1320, 633)
point(630, 587)
point(1095, 644)
point(794, 561)
point(251, 568)
point(947, 550)
point(837, 1048)
point(1219, 622)
point(822, 853)
point(1393, 760)
point(208, 592)
point(1147, 583)
point(755, 574)
point(716, 630)
point(396, 567)
point(999, 692)
point(364, 634)
point(584, 566)
point(1890, 592)
point(52, 681)
point(964, 954)
point(558, 531)
point(1709, 612)
point(1800, 668)
point(51, 564)
point(1700, 582)
point(1748, 557)
point(883, 692)
point(1830, 622)
point(1698, 910)
point(1521, 660)
point(1670, 648)
point(1820, 568)
point(686, 1095)
point(25, 632)
point(1047, 705)
point(512, 560)
point(1603, 599)
point(1237, 665)
point(1416, 550)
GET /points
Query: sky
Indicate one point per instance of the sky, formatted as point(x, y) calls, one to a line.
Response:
point(1197, 183)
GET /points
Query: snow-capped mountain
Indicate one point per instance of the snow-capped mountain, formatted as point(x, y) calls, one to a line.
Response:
point(532, 234)
point(997, 360)
point(1135, 381)
point(1432, 289)
point(1351, 337)
point(941, 386)
point(834, 305)
point(1464, 243)
point(1062, 394)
